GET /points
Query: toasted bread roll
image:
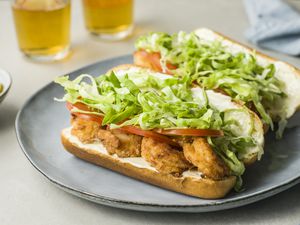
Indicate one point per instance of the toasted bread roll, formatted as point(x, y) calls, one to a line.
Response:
point(190, 183)
point(285, 72)
point(160, 164)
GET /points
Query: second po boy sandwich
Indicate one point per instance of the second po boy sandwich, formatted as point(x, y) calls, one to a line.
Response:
point(161, 130)
point(267, 86)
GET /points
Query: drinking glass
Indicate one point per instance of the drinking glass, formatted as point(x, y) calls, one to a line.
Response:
point(43, 28)
point(109, 19)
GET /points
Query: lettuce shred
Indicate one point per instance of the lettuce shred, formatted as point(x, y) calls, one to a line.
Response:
point(150, 104)
point(214, 67)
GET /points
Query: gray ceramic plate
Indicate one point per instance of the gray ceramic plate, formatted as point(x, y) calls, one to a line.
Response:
point(38, 127)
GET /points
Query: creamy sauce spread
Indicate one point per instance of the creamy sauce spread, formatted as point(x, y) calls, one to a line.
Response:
point(219, 101)
point(135, 161)
point(192, 173)
point(284, 72)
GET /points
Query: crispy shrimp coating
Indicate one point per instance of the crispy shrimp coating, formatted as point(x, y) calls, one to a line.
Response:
point(115, 141)
point(163, 157)
point(201, 155)
point(129, 144)
point(85, 130)
point(110, 141)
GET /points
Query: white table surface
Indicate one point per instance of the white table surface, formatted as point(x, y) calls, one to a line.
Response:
point(26, 197)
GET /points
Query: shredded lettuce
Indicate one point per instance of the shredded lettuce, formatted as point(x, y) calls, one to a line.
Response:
point(140, 99)
point(214, 67)
point(150, 104)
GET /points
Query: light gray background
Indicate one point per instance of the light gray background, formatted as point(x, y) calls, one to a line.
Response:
point(26, 197)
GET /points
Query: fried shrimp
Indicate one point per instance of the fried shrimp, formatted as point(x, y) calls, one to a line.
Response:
point(85, 130)
point(201, 155)
point(129, 144)
point(115, 141)
point(163, 157)
point(110, 141)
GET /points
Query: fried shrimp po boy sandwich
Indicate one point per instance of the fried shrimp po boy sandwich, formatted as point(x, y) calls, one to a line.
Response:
point(162, 130)
point(265, 85)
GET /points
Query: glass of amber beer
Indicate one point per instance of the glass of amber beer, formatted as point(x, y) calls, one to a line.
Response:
point(109, 19)
point(43, 28)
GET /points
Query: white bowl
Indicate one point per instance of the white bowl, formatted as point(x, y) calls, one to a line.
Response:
point(5, 80)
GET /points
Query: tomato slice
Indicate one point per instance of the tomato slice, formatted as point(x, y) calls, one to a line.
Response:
point(150, 134)
point(152, 60)
point(171, 67)
point(78, 105)
point(84, 116)
point(91, 117)
point(191, 132)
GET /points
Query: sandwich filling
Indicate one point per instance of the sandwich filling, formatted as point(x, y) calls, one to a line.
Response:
point(215, 63)
point(139, 162)
point(164, 120)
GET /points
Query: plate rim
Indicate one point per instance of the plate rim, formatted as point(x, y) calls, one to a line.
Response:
point(221, 204)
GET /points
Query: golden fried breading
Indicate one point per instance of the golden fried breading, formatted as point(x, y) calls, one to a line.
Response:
point(115, 141)
point(85, 130)
point(110, 141)
point(201, 155)
point(163, 157)
point(129, 144)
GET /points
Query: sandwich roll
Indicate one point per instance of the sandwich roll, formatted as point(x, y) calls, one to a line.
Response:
point(285, 72)
point(161, 130)
point(190, 183)
point(266, 85)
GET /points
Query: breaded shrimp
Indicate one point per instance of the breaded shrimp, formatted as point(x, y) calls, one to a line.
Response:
point(201, 155)
point(115, 141)
point(129, 144)
point(163, 157)
point(85, 130)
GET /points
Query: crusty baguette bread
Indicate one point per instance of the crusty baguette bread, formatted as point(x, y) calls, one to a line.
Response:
point(285, 72)
point(198, 187)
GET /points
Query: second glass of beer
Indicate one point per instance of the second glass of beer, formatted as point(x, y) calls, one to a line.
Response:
point(109, 19)
point(43, 28)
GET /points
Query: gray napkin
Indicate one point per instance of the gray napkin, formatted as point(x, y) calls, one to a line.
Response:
point(274, 25)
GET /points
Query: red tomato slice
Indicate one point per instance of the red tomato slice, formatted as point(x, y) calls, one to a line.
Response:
point(152, 59)
point(91, 117)
point(148, 133)
point(84, 116)
point(171, 67)
point(78, 105)
point(191, 132)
